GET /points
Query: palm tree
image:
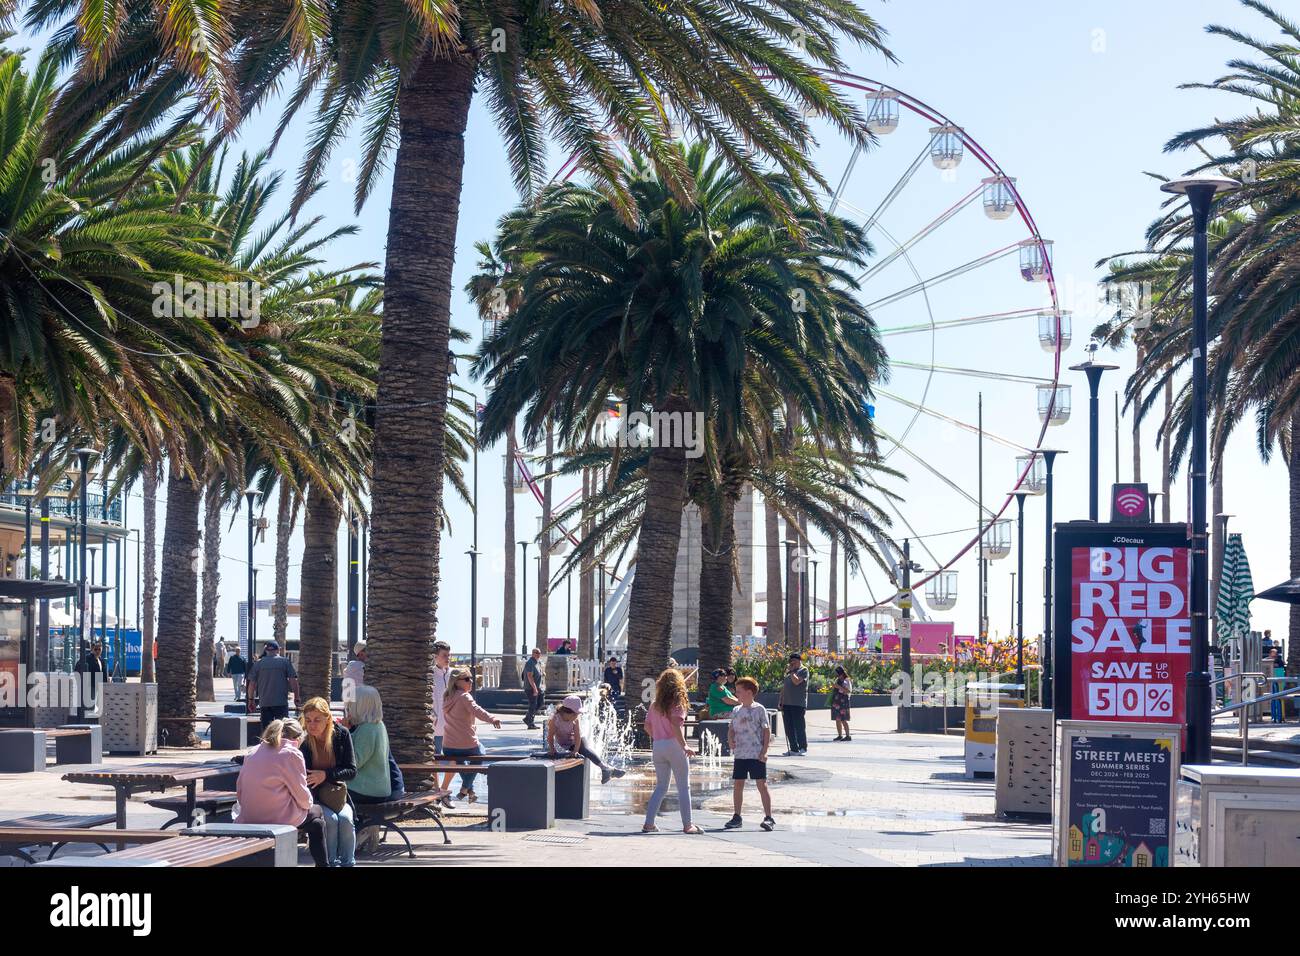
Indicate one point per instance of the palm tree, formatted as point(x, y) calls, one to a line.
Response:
point(588, 77)
point(494, 289)
point(1255, 314)
point(86, 239)
point(287, 505)
point(212, 499)
point(677, 311)
point(291, 367)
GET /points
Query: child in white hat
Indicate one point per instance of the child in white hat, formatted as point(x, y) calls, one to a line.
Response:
point(564, 737)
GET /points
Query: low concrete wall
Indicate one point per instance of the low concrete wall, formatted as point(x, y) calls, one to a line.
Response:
point(823, 702)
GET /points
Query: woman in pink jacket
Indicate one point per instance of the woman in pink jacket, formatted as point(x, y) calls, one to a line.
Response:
point(272, 786)
point(459, 711)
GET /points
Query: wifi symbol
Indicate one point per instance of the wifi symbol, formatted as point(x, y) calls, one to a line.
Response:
point(1130, 502)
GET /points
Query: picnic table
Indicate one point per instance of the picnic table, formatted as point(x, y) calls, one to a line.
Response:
point(152, 777)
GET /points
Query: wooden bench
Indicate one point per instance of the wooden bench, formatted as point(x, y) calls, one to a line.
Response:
point(391, 814)
point(195, 851)
point(44, 829)
point(211, 803)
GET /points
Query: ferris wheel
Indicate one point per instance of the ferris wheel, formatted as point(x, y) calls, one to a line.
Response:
point(962, 290)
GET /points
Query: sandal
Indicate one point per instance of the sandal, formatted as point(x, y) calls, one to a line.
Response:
point(649, 829)
point(693, 830)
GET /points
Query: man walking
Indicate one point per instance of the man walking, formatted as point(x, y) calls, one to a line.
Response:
point(269, 684)
point(236, 666)
point(533, 687)
point(794, 705)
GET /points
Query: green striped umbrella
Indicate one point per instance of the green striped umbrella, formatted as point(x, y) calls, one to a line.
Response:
point(1236, 590)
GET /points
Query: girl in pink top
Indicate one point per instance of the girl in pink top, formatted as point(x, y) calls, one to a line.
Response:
point(664, 720)
point(459, 711)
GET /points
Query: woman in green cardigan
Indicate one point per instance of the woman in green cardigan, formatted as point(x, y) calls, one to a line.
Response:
point(365, 716)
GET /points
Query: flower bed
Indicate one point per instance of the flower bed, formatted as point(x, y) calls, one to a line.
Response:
point(874, 673)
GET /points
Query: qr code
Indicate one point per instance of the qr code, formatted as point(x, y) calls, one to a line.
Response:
point(1156, 826)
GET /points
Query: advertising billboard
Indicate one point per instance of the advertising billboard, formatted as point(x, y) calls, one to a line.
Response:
point(1123, 623)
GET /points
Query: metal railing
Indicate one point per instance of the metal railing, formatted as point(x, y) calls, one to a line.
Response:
point(1242, 703)
point(63, 506)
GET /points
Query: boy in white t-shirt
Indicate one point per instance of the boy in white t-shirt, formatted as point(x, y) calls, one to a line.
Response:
point(748, 738)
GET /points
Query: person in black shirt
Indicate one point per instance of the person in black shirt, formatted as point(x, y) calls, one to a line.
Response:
point(614, 678)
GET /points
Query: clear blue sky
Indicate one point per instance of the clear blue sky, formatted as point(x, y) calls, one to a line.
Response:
point(1076, 102)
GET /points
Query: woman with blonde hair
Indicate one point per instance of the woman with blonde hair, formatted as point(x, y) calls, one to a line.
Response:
point(272, 786)
point(665, 721)
point(459, 711)
point(330, 762)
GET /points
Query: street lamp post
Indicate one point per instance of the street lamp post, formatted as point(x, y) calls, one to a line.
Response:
point(1049, 457)
point(905, 625)
point(812, 618)
point(473, 609)
point(1093, 370)
point(1020, 496)
point(83, 460)
point(523, 566)
point(250, 494)
point(1200, 193)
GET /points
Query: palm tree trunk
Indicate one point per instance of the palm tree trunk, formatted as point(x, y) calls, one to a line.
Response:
point(544, 554)
point(775, 552)
point(1165, 480)
point(286, 517)
point(9, 455)
point(211, 585)
point(717, 583)
point(509, 642)
point(832, 632)
point(650, 611)
point(1293, 474)
point(178, 608)
point(149, 599)
point(410, 423)
point(586, 644)
point(318, 592)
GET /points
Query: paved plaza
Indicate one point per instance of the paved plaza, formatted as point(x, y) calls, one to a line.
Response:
point(883, 799)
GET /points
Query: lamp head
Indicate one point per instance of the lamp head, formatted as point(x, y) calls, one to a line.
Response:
point(1181, 187)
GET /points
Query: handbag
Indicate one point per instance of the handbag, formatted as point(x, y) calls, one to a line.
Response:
point(332, 794)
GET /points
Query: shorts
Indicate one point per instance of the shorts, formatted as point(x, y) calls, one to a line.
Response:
point(437, 745)
point(754, 769)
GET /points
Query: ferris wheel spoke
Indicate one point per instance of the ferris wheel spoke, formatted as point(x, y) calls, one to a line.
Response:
point(955, 323)
point(932, 470)
point(869, 220)
point(972, 372)
point(926, 230)
point(965, 426)
point(953, 273)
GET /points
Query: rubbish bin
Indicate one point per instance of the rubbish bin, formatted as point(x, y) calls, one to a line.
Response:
point(983, 700)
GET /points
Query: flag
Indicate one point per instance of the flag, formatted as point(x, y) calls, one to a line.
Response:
point(1236, 591)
